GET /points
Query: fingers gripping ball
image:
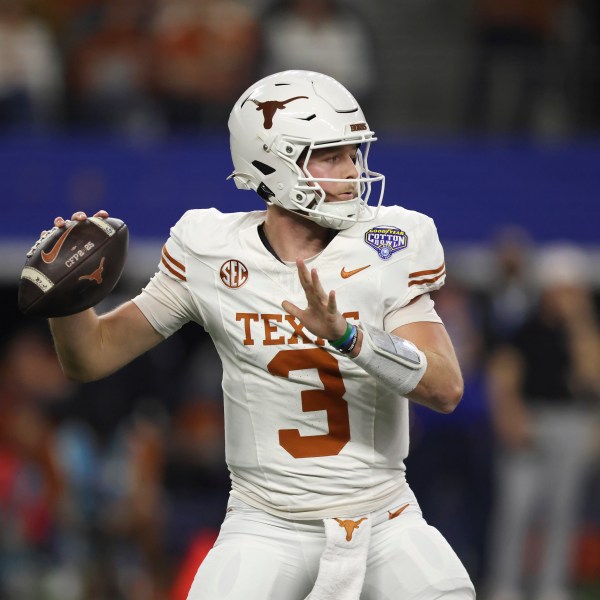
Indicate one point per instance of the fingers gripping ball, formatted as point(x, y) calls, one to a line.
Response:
point(74, 267)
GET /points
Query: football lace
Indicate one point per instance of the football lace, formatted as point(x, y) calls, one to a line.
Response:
point(43, 236)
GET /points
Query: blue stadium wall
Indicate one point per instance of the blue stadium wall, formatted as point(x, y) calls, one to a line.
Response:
point(471, 188)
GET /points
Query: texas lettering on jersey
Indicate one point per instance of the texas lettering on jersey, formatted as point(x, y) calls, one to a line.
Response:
point(270, 330)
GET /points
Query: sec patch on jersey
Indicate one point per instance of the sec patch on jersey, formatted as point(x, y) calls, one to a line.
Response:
point(73, 267)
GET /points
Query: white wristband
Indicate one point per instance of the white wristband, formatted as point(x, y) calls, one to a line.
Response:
point(394, 361)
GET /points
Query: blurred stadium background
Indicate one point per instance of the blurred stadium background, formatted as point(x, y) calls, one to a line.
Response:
point(488, 114)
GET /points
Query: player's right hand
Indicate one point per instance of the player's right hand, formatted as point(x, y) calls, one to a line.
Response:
point(60, 222)
point(79, 216)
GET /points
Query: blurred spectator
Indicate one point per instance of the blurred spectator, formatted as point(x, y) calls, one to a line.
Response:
point(590, 62)
point(508, 82)
point(205, 55)
point(461, 317)
point(110, 71)
point(327, 36)
point(544, 384)
point(449, 481)
point(61, 15)
point(30, 68)
point(196, 479)
point(31, 477)
point(135, 519)
point(511, 292)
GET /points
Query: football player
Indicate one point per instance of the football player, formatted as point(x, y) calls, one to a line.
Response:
point(320, 309)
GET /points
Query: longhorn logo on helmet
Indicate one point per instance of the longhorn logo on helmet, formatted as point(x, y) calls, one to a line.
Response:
point(270, 107)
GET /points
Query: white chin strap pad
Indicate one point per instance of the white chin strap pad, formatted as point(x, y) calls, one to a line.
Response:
point(336, 215)
point(394, 361)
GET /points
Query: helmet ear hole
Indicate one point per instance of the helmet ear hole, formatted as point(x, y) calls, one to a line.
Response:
point(265, 193)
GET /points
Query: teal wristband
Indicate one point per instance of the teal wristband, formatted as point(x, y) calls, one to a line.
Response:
point(340, 342)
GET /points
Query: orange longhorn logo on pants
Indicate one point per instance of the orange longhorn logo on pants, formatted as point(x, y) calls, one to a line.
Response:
point(349, 525)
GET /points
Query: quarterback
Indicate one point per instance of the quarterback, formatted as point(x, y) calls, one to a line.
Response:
point(320, 309)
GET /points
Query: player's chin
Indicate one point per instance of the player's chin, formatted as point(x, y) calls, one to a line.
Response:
point(343, 197)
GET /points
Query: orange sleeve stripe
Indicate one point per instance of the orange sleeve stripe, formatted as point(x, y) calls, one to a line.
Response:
point(430, 272)
point(171, 259)
point(422, 281)
point(172, 270)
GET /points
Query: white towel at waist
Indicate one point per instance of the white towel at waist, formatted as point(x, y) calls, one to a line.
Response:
point(344, 560)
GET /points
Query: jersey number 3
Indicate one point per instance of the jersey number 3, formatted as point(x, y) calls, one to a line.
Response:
point(329, 399)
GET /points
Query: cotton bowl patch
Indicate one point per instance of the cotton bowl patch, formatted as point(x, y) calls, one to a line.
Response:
point(386, 240)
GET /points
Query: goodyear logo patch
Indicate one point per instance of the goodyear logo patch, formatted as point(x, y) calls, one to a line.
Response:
point(386, 240)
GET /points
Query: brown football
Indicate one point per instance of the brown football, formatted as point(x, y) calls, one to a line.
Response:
point(73, 268)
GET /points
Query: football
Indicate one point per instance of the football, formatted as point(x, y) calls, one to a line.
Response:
point(73, 267)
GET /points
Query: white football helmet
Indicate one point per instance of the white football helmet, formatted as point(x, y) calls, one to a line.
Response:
point(281, 116)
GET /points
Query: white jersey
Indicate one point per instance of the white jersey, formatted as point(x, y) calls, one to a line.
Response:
point(309, 434)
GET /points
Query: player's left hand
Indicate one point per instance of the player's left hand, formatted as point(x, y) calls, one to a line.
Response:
point(321, 317)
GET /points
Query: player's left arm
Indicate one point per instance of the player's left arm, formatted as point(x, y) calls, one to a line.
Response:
point(439, 382)
point(441, 387)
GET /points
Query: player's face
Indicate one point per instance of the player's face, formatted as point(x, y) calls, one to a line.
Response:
point(336, 163)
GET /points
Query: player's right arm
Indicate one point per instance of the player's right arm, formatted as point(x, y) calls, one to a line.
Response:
point(92, 346)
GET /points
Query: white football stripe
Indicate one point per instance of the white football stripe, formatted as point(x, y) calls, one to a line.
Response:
point(38, 278)
point(102, 224)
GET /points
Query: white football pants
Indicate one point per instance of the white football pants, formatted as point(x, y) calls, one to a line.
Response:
point(258, 556)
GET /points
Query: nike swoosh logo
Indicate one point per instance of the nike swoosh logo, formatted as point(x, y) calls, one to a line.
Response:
point(345, 274)
point(393, 515)
point(50, 257)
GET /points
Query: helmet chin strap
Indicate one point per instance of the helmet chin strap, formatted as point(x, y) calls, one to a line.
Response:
point(335, 215)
